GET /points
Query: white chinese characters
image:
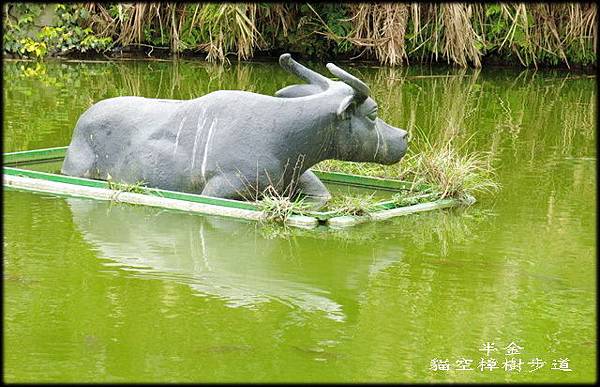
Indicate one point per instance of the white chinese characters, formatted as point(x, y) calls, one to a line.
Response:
point(512, 362)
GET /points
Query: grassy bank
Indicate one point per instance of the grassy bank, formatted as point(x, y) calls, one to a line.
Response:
point(462, 34)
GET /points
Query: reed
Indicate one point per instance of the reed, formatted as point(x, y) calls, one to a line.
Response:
point(463, 34)
point(381, 29)
point(229, 28)
point(217, 29)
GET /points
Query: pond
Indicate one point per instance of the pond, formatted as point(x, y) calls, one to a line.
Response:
point(102, 292)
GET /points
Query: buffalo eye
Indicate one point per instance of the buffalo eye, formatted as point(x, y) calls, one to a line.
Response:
point(372, 116)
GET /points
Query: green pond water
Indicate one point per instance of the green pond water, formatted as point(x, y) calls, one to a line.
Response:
point(102, 292)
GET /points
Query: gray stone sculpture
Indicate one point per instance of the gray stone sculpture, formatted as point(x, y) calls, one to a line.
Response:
point(235, 144)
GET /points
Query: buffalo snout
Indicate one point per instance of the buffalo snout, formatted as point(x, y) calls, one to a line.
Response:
point(395, 143)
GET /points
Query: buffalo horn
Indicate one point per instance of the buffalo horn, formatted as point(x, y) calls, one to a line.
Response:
point(312, 77)
point(362, 90)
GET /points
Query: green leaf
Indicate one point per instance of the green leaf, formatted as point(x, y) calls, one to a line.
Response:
point(492, 9)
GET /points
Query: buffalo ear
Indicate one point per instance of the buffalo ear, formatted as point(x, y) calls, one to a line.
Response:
point(343, 106)
point(294, 91)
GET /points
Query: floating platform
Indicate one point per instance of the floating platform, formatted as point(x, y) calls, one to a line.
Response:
point(33, 171)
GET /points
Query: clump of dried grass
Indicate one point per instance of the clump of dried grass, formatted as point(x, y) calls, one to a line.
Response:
point(551, 33)
point(229, 28)
point(381, 28)
point(460, 39)
point(221, 28)
point(127, 23)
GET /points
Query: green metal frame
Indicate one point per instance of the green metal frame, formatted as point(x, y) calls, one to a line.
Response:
point(29, 156)
point(13, 160)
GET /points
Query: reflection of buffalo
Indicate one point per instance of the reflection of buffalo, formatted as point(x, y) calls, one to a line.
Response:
point(230, 259)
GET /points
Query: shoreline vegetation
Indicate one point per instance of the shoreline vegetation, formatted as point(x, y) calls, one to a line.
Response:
point(391, 34)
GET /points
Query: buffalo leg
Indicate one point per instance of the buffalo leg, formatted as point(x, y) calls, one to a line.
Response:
point(79, 160)
point(313, 189)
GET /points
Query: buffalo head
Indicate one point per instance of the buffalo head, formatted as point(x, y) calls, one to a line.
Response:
point(360, 135)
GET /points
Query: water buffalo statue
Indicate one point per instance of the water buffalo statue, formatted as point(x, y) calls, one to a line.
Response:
point(235, 144)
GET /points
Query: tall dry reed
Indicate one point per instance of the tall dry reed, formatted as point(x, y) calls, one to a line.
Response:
point(392, 33)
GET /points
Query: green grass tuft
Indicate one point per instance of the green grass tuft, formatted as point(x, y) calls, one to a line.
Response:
point(137, 187)
point(361, 205)
point(278, 208)
point(404, 199)
point(452, 174)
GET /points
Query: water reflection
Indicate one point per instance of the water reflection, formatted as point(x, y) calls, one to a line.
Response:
point(229, 259)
